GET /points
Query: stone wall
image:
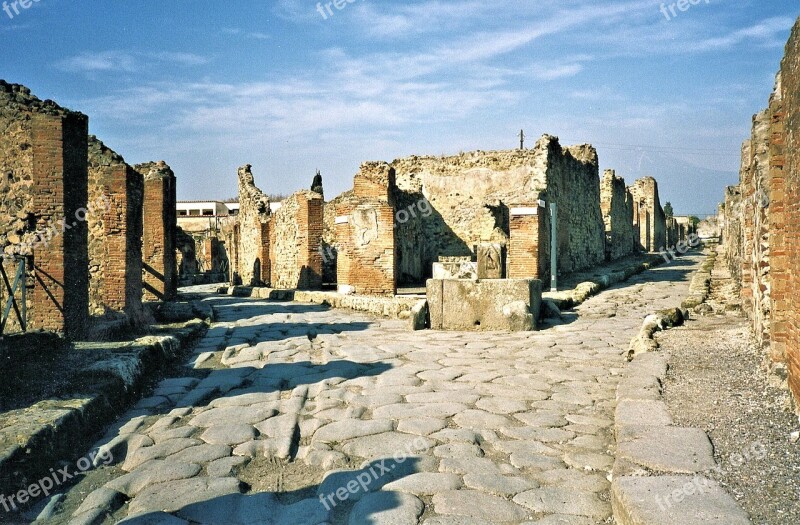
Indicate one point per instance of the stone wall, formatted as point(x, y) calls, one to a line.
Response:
point(761, 231)
point(648, 215)
point(254, 231)
point(296, 238)
point(160, 268)
point(447, 206)
point(365, 233)
point(44, 177)
point(114, 218)
point(616, 204)
point(785, 220)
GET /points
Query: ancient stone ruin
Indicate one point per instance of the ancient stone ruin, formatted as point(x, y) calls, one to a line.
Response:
point(92, 231)
point(761, 223)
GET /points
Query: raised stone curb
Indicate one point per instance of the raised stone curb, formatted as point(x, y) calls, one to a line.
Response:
point(657, 476)
point(391, 307)
point(44, 435)
point(570, 298)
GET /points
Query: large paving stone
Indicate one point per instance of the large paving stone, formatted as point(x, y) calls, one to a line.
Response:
point(386, 508)
point(340, 431)
point(669, 449)
point(674, 500)
point(479, 505)
point(557, 500)
point(387, 445)
point(151, 473)
point(426, 483)
point(225, 416)
point(229, 434)
point(642, 412)
point(175, 495)
point(506, 486)
point(158, 451)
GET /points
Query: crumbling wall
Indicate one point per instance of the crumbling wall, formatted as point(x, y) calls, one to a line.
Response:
point(784, 222)
point(44, 177)
point(160, 268)
point(115, 222)
point(254, 231)
point(447, 206)
point(365, 233)
point(296, 237)
point(649, 215)
point(761, 217)
point(615, 204)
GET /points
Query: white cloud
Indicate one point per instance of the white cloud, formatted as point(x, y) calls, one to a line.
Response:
point(123, 61)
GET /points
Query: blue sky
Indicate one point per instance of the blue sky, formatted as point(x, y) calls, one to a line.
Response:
point(209, 86)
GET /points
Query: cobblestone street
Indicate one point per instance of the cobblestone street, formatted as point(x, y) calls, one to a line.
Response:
point(309, 415)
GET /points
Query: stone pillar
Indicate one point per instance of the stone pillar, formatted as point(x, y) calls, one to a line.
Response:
point(528, 242)
point(60, 300)
point(310, 229)
point(160, 271)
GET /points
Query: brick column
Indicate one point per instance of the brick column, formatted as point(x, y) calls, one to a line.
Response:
point(309, 231)
point(160, 275)
point(366, 237)
point(60, 300)
point(528, 242)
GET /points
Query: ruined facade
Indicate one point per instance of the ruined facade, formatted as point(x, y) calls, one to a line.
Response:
point(761, 230)
point(616, 205)
point(448, 206)
point(116, 196)
point(160, 270)
point(43, 163)
point(648, 215)
point(253, 266)
point(296, 237)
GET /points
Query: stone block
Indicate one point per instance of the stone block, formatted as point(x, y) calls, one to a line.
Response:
point(493, 304)
point(455, 270)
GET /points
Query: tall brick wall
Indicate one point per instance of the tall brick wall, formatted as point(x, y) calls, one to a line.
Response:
point(761, 216)
point(60, 299)
point(615, 205)
point(254, 231)
point(650, 216)
point(296, 237)
point(116, 194)
point(785, 192)
point(365, 233)
point(160, 269)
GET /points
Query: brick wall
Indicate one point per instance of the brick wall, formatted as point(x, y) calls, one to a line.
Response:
point(60, 299)
point(160, 271)
point(297, 227)
point(116, 194)
point(365, 233)
point(254, 231)
point(528, 258)
point(785, 174)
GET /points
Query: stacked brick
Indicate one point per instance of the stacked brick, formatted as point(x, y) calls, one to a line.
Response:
point(114, 218)
point(295, 256)
point(761, 232)
point(253, 258)
point(43, 165)
point(160, 268)
point(365, 233)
